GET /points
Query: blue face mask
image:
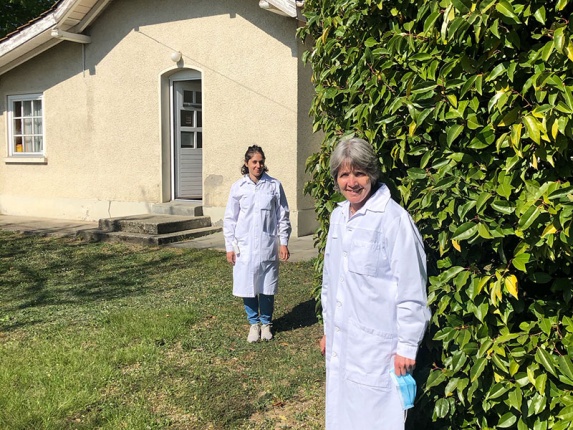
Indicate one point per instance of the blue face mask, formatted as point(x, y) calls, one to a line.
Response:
point(406, 386)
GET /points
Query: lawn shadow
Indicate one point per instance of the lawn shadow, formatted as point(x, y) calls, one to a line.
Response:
point(302, 315)
point(64, 273)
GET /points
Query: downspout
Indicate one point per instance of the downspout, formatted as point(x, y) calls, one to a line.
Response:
point(56, 33)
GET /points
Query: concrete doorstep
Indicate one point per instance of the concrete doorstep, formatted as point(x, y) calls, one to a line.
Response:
point(151, 229)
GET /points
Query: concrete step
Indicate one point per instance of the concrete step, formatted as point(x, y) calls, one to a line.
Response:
point(183, 208)
point(98, 235)
point(150, 224)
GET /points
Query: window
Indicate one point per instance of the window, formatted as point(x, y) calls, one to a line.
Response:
point(25, 126)
point(192, 120)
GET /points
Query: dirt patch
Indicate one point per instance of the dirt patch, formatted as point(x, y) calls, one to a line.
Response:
point(290, 415)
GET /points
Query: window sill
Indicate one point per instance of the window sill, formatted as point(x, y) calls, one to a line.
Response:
point(26, 160)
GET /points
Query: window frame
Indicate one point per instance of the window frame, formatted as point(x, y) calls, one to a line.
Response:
point(197, 108)
point(25, 157)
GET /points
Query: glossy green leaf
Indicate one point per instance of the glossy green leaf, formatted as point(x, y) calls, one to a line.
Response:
point(453, 132)
point(504, 190)
point(483, 231)
point(566, 414)
point(477, 368)
point(479, 83)
point(519, 261)
point(498, 70)
point(442, 408)
point(503, 207)
point(416, 173)
point(464, 6)
point(504, 7)
point(483, 139)
point(465, 231)
point(510, 117)
point(533, 128)
point(515, 398)
point(370, 42)
point(546, 360)
point(528, 218)
point(464, 209)
point(451, 273)
point(496, 391)
point(435, 378)
point(481, 201)
point(445, 183)
point(423, 87)
point(565, 366)
point(494, 29)
point(563, 192)
point(430, 22)
point(547, 50)
point(540, 15)
point(507, 420)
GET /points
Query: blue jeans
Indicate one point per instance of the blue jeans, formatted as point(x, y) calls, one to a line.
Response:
point(264, 303)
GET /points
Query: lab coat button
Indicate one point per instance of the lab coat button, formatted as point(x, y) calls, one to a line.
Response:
point(334, 355)
point(338, 304)
point(337, 329)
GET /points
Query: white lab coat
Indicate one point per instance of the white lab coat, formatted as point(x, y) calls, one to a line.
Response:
point(257, 221)
point(374, 307)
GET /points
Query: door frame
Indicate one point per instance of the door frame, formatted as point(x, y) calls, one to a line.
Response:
point(184, 75)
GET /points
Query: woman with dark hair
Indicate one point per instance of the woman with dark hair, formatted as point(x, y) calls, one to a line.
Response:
point(257, 228)
point(373, 297)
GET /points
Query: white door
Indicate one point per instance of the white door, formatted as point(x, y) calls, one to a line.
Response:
point(188, 140)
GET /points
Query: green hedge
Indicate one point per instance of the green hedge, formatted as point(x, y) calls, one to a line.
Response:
point(470, 107)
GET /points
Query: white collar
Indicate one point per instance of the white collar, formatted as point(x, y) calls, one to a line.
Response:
point(376, 202)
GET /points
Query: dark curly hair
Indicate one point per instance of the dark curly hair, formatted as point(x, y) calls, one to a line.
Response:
point(251, 151)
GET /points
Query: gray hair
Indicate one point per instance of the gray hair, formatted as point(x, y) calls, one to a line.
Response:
point(358, 154)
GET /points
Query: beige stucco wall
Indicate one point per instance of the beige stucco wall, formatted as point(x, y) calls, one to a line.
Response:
point(106, 108)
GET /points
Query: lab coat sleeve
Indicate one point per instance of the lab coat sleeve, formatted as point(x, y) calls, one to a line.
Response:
point(326, 274)
point(283, 218)
point(230, 219)
point(408, 261)
point(324, 291)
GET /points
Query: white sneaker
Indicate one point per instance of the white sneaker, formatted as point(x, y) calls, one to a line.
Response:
point(266, 333)
point(254, 333)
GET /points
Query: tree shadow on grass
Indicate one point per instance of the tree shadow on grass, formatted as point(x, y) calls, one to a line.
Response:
point(55, 274)
point(302, 315)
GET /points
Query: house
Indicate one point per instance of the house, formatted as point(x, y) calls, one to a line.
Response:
point(112, 108)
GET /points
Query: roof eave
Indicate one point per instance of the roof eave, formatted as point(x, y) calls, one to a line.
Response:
point(70, 15)
point(281, 7)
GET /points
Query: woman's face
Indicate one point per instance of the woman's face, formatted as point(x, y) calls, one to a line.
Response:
point(354, 185)
point(256, 166)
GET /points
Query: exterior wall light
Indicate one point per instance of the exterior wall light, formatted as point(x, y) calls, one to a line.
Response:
point(176, 56)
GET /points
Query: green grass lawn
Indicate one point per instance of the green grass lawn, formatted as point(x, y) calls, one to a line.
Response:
point(115, 336)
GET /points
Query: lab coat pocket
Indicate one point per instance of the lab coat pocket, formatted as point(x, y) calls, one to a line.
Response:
point(268, 215)
point(331, 243)
point(269, 248)
point(369, 355)
point(364, 257)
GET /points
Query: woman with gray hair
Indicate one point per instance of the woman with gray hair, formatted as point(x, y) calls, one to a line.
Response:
point(373, 297)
